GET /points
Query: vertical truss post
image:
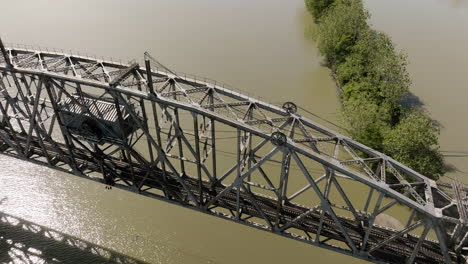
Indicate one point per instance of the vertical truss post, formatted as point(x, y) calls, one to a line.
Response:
point(149, 77)
point(249, 116)
point(178, 129)
point(179, 141)
point(288, 162)
point(156, 122)
point(126, 150)
point(65, 134)
point(441, 236)
point(238, 180)
point(6, 118)
point(213, 150)
point(5, 54)
point(149, 145)
point(12, 133)
point(282, 185)
point(213, 138)
point(100, 160)
point(197, 157)
point(31, 115)
point(145, 123)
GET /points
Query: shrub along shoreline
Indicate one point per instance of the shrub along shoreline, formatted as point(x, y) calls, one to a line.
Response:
point(374, 81)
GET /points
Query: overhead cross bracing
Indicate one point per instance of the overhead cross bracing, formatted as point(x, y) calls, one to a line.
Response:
point(218, 151)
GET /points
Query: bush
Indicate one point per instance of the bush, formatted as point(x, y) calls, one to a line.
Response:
point(366, 121)
point(414, 142)
point(360, 89)
point(374, 80)
point(318, 7)
point(374, 61)
point(339, 29)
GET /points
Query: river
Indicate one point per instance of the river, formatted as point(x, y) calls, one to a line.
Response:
point(259, 46)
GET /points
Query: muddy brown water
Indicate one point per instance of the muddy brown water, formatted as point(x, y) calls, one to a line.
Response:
point(256, 45)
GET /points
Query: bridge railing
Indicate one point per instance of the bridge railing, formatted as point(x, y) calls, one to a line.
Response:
point(209, 81)
point(213, 82)
point(183, 75)
point(57, 51)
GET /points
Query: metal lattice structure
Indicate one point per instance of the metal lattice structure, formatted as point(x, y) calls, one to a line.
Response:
point(205, 147)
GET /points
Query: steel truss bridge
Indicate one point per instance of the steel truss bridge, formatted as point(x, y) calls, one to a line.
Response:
point(193, 143)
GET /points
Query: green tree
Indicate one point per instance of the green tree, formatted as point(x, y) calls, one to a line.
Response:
point(359, 89)
point(414, 142)
point(376, 64)
point(339, 29)
point(374, 79)
point(318, 7)
point(366, 121)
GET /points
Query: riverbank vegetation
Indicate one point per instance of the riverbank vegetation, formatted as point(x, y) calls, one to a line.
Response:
point(374, 81)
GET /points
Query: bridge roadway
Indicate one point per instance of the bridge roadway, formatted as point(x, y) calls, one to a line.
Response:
point(397, 251)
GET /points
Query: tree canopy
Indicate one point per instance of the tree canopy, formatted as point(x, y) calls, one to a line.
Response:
point(365, 121)
point(318, 7)
point(374, 62)
point(339, 29)
point(414, 142)
point(374, 80)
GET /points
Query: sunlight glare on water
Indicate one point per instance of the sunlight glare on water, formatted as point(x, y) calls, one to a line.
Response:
point(256, 45)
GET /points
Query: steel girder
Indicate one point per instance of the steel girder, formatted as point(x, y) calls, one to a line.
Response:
point(215, 150)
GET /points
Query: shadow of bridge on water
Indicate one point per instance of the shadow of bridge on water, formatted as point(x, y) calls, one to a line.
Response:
point(22, 241)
